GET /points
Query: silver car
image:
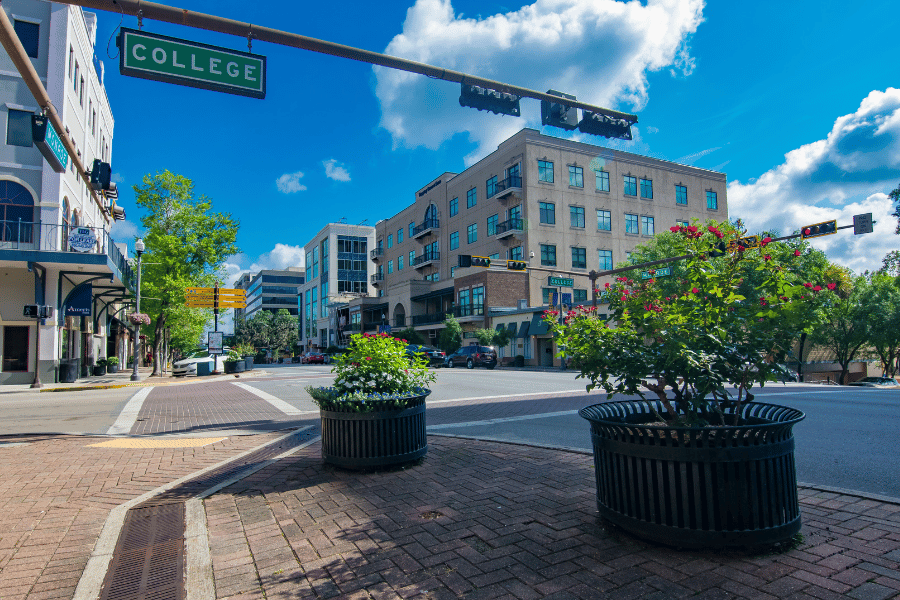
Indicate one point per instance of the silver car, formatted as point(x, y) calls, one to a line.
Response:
point(876, 382)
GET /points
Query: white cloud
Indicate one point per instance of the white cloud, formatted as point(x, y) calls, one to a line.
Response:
point(847, 173)
point(289, 183)
point(281, 256)
point(335, 171)
point(124, 232)
point(117, 178)
point(598, 50)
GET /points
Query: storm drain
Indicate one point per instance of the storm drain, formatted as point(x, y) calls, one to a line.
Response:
point(148, 561)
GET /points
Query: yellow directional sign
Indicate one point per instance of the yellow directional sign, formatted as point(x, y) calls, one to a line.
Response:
point(198, 291)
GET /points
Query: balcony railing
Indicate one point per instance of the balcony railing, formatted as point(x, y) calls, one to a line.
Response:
point(377, 278)
point(429, 319)
point(509, 227)
point(47, 237)
point(509, 185)
point(376, 253)
point(425, 228)
point(426, 259)
point(468, 310)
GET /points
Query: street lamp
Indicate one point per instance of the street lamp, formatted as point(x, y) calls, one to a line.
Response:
point(139, 249)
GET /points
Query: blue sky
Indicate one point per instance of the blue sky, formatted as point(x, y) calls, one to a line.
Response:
point(792, 100)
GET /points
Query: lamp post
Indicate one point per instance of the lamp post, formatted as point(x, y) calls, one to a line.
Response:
point(139, 249)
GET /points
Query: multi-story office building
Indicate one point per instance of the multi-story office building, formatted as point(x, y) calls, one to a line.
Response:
point(556, 204)
point(338, 272)
point(55, 247)
point(271, 290)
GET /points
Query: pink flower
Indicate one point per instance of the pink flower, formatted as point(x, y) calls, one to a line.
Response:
point(368, 358)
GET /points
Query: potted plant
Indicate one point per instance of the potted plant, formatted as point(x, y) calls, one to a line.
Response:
point(246, 351)
point(698, 465)
point(374, 415)
point(112, 364)
point(234, 363)
point(100, 367)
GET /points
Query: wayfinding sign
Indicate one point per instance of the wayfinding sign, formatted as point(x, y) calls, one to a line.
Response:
point(46, 140)
point(560, 281)
point(163, 58)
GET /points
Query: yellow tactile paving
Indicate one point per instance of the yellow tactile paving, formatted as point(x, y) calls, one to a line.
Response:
point(157, 443)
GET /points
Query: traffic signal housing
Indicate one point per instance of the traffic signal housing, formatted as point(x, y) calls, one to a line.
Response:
point(751, 241)
point(516, 265)
point(557, 114)
point(100, 175)
point(500, 103)
point(465, 260)
point(819, 229)
point(718, 250)
point(481, 261)
point(610, 127)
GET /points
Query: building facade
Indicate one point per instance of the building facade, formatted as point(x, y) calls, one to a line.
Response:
point(271, 290)
point(55, 247)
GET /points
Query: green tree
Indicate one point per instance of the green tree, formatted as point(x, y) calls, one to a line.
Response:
point(881, 305)
point(450, 338)
point(284, 330)
point(186, 245)
point(895, 198)
point(846, 328)
point(493, 337)
point(410, 335)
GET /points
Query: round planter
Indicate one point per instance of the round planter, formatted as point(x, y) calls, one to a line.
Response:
point(112, 368)
point(248, 363)
point(68, 371)
point(374, 439)
point(697, 487)
point(99, 370)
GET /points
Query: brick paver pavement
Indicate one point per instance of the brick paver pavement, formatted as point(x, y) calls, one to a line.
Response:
point(488, 520)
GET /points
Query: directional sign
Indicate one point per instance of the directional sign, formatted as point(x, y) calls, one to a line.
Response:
point(745, 242)
point(661, 272)
point(46, 140)
point(163, 58)
point(560, 281)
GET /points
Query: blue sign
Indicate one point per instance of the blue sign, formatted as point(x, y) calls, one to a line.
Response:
point(49, 144)
point(566, 299)
point(80, 301)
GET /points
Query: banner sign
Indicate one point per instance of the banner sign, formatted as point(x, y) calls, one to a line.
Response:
point(82, 239)
point(45, 139)
point(80, 302)
point(182, 62)
point(216, 342)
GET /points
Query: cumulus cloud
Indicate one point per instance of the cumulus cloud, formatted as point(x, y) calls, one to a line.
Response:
point(598, 50)
point(124, 232)
point(847, 173)
point(281, 256)
point(289, 183)
point(335, 170)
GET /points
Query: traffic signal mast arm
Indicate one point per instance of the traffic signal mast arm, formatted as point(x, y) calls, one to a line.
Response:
point(178, 16)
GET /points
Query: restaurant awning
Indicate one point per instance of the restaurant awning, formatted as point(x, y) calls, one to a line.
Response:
point(538, 327)
point(524, 328)
point(512, 330)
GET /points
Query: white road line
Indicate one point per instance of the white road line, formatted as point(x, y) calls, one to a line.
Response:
point(276, 402)
point(508, 396)
point(561, 413)
point(129, 414)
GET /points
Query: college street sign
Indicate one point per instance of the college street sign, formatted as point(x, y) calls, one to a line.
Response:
point(163, 58)
point(46, 140)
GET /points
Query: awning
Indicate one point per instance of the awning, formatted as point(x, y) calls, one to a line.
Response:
point(501, 326)
point(538, 327)
point(435, 294)
point(375, 307)
point(512, 330)
point(523, 329)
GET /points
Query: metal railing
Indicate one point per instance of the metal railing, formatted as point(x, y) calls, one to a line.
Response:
point(49, 237)
point(425, 225)
point(377, 277)
point(376, 253)
point(509, 225)
point(426, 257)
point(511, 182)
point(430, 318)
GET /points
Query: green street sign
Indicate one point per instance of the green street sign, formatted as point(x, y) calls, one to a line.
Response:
point(162, 58)
point(560, 282)
point(45, 139)
point(661, 272)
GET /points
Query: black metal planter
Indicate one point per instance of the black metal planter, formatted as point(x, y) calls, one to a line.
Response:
point(697, 487)
point(368, 440)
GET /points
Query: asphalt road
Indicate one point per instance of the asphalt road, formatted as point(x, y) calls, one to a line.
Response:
point(847, 439)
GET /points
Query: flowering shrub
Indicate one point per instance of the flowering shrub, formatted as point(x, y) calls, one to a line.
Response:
point(718, 322)
point(139, 319)
point(374, 374)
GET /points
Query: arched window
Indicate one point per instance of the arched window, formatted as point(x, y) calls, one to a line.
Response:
point(16, 212)
point(430, 213)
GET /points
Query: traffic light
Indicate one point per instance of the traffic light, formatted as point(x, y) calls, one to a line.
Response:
point(481, 261)
point(557, 114)
point(100, 175)
point(465, 260)
point(748, 242)
point(611, 127)
point(819, 229)
point(516, 265)
point(499, 103)
point(718, 250)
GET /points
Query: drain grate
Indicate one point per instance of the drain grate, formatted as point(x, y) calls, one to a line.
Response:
point(148, 561)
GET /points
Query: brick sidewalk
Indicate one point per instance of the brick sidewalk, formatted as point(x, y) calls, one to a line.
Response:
point(487, 520)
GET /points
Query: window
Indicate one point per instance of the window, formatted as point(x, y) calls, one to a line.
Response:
point(548, 213)
point(81, 90)
point(647, 189)
point(400, 236)
point(452, 272)
point(390, 240)
point(15, 348)
point(30, 36)
point(471, 198)
point(576, 216)
point(606, 262)
point(629, 184)
point(631, 223)
point(579, 295)
point(315, 303)
point(323, 295)
point(492, 225)
point(309, 266)
point(463, 297)
point(315, 257)
point(683, 223)
point(516, 253)
point(454, 207)
point(547, 294)
point(390, 267)
point(18, 128)
point(576, 176)
point(712, 201)
point(71, 60)
point(478, 300)
point(494, 256)
point(75, 76)
point(412, 256)
point(681, 195)
point(602, 181)
point(545, 171)
point(400, 263)
point(579, 258)
point(472, 233)
point(454, 240)
point(548, 255)
point(604, 220)
point(491, 186)
point(412, 228)
point(515, 212)
point(647, 225)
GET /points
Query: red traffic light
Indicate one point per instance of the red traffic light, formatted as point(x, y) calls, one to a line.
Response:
point(819, 229)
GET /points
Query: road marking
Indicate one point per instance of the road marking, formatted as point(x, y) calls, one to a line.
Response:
point(276, 402)
point(157, 443)
point(508, 396)
point(562, 413)
point(129, 414)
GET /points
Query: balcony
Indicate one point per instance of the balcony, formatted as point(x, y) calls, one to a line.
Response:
point(429, 319)
point(377, 278)
point(510, 185)
point(509, 228)
point(376, 254)
point(425, 228)
point(468, 310)
point(426, 259)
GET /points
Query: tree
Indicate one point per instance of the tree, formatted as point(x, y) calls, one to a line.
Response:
point(493, 337)
point(846, 329)
point(881, 305)
point(450, 338)
point(186, 246)
point(895, 198)
point(410, 335)
point(284, 331)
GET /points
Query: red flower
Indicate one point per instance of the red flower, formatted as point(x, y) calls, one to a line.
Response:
point(368, 358)
point(715, 232)
point(767, 258)
point(404, 341)
point(808, 285)
point(675, 229)
point(695, 291)
point(765, 241)
point(818, 288)
point(831, 286)
point(607, 285)
point(796, 253)
point(624, 298)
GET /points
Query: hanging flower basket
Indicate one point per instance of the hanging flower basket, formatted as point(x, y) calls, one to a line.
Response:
point(139, 319)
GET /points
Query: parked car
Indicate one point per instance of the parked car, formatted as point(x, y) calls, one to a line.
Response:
point(473, 356)
point(188, 366)
point(312, 357)
point(879, 382)
point(434, 356)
